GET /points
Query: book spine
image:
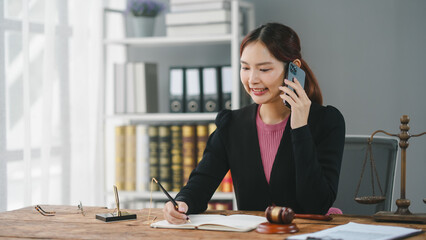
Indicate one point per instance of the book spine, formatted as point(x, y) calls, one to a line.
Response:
point(142, 158)
point(227, 182)
point(165, 159)
point(211, 205)
point(130, 159)
point(223, 205)
point(189, 151)
point(119, 88)
point(226, 83)
point(130, 88)
point(153, 155)
point(212, 128)
point(220, 205)
point(151, 87)
point(140, 86)
point(202, 136)
point(176, 152)
point(145, 75)
point(119, 157)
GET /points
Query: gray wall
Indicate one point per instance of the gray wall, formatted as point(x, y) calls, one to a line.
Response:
point(370, 60)
point(369, 57)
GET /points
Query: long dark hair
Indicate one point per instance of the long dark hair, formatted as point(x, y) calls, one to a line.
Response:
point(284, 44)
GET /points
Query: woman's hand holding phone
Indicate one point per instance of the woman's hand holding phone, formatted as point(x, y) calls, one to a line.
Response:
point(300, 103)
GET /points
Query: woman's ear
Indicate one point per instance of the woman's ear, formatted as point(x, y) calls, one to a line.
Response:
point(297, 62)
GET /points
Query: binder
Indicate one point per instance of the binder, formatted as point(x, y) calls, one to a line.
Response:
point(211, 89)
point(193, 90)
point(146, 97)
point(177, 90)
point(226, 79)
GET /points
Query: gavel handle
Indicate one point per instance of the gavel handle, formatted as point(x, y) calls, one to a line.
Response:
point(313, 217)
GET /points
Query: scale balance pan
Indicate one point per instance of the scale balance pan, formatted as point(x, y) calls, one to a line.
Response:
point(370, 199)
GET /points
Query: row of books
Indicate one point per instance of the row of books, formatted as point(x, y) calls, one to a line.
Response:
point(165, 152)
point(135, 87)
point(220, 205)
point(191, 89)
point(200, 89)
point(195, 18)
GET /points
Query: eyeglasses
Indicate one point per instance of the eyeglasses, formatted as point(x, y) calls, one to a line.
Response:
point(44, 213)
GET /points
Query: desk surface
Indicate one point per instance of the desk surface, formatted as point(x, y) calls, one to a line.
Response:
point(70, 223)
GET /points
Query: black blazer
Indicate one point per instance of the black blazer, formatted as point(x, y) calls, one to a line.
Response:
point(305, 173)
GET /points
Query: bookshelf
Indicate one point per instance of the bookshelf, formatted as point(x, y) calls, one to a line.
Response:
point(108, 120)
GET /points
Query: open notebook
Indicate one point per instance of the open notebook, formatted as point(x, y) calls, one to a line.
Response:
point(234, 223)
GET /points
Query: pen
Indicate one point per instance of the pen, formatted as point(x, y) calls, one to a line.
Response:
point(169, 197)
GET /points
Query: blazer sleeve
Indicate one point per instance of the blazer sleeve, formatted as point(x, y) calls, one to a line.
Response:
point(206, 177)
point(318, 161)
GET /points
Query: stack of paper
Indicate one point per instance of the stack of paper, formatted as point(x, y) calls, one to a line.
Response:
point(356, 231)
point(198, 17)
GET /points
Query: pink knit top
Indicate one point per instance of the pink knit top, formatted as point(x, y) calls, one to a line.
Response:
point(269, 140)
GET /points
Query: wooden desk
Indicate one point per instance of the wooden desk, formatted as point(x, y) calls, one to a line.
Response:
point(70, 223)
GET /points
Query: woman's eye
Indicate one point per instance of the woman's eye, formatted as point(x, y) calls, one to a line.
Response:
point(244, 68)
point(264, 70)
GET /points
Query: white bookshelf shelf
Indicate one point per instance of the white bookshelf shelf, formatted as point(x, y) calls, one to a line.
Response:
point(164, 117)
point(171, 41)
point(159, 196)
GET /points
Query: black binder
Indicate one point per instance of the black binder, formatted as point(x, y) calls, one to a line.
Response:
point(226, 79)
point(193, 90)
point(177, 90)
point(211, 89)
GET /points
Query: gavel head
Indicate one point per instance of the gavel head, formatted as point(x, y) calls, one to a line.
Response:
point(280, 215)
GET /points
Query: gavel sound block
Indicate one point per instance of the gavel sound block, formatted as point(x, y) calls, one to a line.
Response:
point(280, 220)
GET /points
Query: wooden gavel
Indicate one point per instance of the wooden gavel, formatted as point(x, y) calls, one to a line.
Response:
point(285, 215)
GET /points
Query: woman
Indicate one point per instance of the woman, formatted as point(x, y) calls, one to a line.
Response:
point(277, 155)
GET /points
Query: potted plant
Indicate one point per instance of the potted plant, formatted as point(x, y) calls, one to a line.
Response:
point(141, 16)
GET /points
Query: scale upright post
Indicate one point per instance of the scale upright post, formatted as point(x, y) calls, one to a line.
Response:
point(402, 214)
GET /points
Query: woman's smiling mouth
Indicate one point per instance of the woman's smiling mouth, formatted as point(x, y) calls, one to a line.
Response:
point(258, 91)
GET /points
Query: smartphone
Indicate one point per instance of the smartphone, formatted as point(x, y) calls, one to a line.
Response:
point(293, 71)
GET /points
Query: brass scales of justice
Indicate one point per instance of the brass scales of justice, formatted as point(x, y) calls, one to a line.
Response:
point(402, 214)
